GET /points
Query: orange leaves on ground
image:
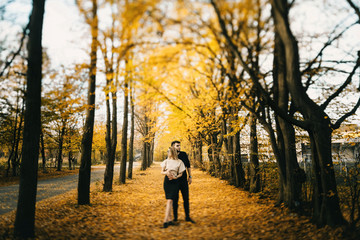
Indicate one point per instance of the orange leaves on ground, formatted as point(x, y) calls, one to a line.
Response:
point(136, 211)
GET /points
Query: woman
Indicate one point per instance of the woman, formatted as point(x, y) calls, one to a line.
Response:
point(172, 168)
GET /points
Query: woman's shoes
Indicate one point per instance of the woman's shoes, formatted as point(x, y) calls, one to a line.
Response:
point(167, 224)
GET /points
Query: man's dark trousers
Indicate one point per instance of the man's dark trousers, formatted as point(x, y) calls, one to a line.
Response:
point(184, 188)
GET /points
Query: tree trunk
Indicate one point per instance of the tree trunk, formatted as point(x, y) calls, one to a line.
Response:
point(86, 143)
point(239, 170)
point(132, 132)
point(254, 157)
point(124, 134)
point(328, 212)
point(199, 146)
point(25, 214)
point(148, 154)
point(15, 160)
point(151, 152)
point(43, 151)
point(70, 159)
point(114, 133)
point(144, 157)
point(60, 150)
point(109, 170)
point(290, 183)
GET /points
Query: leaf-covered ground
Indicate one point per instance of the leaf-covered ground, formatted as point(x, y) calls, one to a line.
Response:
point(136, 211)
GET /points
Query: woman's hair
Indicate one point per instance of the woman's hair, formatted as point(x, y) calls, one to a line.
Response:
point(172, 153)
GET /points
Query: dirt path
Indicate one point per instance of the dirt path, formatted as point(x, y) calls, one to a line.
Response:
point(135, 210)
point(49, 188)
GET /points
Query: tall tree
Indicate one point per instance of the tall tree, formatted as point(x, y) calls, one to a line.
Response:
point(25, 213)
point(316, 122)
point(111, 119)
point(132, 130)
point(249, 61)
point(291, 175)
point(124, 128)
point(86, 143)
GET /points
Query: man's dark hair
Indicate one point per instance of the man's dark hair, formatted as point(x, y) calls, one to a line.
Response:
point(173, 142)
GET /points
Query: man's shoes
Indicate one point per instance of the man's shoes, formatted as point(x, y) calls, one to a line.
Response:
point(171, 223)
point(188, 219)
point(166, 224)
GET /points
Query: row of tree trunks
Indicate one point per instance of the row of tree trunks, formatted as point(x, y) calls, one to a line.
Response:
point(25, 213)
point(283, 153)
point(196, 150)
point(14, 159)
point(148, 138)
point(233, 149)
point(147, 154)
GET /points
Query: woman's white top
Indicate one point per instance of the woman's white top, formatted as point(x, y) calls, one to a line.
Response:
point(174, 166)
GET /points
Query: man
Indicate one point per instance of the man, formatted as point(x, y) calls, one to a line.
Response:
point(184, 182)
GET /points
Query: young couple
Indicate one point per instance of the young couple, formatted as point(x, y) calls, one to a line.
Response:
point(174, 168)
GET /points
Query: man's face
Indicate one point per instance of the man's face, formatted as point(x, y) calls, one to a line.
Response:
point(177, 146)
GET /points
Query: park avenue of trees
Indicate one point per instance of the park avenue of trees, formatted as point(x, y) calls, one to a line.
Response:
point(245, 85)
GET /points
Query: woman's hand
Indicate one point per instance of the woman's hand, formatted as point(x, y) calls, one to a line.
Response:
point(170, 176)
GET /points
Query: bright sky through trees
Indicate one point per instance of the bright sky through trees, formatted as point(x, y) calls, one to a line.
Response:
point(66, 36)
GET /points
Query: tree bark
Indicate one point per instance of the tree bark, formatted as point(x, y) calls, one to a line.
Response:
point(239, 170)
point(290, 183)
point(124, 134)
point(43, 150)
point(70, 160)
point(151, 151)
point(199, 145)
point(110, 160)
point(132, 132)
point(254, 158)
point(60, 149)
point(144, 157)
point(86, 143)
point(25, 214)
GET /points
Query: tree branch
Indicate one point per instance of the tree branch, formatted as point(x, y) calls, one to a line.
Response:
point(356, 8)
point(342, 119)
point(342, 87)
point(8, 63)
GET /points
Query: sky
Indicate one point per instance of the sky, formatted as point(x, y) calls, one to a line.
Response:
point(66, 37)
point(64, 32)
